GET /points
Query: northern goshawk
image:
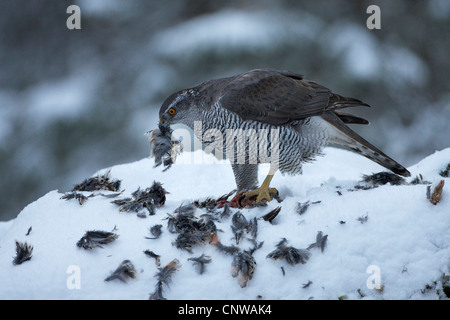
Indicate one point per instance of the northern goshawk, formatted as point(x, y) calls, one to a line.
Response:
point(280, 111)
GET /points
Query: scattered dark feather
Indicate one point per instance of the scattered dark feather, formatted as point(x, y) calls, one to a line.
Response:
point(272, 214)
point(111, 195)
point(256, 245)
point(239, 221)
point(156, 193)
point(187, 240)
point(445, 173)
point(207, 221)
point(253, 228)
point(96, 238)
point(142, 214)
point(226, 211)
point(183, 222)
point(363, 218)
point(155, 231)
point(302, 207)
point(228, 250)
point(200, 262)
point(419, 180)
point(290, 254)
point(306, 285)
point(191, 230)
point(379, 179)
point(123, 272)
point(148, 199)
point(23, 253)
point(238, 224)
point(99, 182)
point(29, 231)
point(158, 294)
point(153, 255)
point(226, 196)
point(244, 265)
point(82, 198)
point(209, 204)
point(76, 195)
point(164, 276)
point(186, 209)
point(321, 242)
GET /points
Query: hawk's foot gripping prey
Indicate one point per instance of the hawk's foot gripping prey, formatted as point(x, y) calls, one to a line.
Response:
point(261, 193)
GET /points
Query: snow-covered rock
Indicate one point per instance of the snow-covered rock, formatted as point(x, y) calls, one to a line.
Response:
point(387, 242)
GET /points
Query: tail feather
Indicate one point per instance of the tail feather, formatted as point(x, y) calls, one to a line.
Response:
point(339, 102)
point(350, 140)
point(349, 118)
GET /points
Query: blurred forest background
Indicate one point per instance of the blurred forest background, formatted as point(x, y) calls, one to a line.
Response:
point(75, 101)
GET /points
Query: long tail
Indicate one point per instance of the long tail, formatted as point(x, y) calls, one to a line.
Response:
point(350, 140)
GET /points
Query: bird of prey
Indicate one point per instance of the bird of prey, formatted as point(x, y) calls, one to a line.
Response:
point(298, 117)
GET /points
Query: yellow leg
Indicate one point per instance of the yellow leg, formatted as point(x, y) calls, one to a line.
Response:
point(263, 192)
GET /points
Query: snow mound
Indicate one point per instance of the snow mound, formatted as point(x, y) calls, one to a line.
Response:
point(385, 242)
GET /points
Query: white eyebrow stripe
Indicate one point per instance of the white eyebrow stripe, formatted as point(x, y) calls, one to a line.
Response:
point(177, 99)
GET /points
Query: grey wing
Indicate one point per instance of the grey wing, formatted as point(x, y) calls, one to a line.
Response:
point(279, 97)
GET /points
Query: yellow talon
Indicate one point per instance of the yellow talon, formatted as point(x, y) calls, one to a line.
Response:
point(263, 192)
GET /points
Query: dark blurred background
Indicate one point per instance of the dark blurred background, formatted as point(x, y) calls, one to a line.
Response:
point(75, 101)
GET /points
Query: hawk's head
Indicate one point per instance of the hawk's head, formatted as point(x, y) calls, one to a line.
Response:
point(180, 107)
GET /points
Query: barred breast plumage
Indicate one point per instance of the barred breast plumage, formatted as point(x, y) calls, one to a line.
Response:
point(299, 142)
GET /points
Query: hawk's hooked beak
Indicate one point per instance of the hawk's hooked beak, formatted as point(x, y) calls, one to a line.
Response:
point(163, 119)
point(163, 122)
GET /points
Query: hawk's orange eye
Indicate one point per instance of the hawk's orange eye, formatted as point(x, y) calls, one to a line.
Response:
point(172, 111)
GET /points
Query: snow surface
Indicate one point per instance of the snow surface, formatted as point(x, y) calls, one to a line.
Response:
point(405, 237)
